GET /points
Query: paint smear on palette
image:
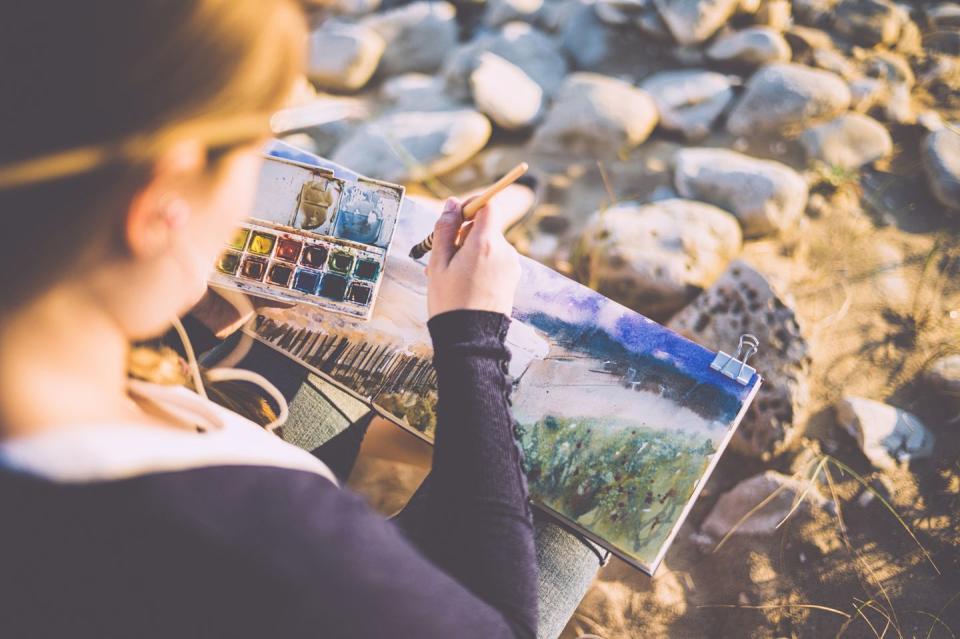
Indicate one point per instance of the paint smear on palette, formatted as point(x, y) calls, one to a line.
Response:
point(620, 419)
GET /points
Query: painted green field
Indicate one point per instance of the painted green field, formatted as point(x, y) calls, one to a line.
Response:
point(625, 483)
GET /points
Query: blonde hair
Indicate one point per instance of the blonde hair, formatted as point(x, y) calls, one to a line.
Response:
point(94, 92)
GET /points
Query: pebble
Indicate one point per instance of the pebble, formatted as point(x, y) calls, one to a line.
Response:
point(598, 115)
point(753, 46)
point(655, 257)
point(887, 435)
point(414, 145)
point(689, 100)
point(766, 196)
point(850, 141)
point(783, 95)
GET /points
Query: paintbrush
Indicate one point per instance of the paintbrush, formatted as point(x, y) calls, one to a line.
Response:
point(474, 205)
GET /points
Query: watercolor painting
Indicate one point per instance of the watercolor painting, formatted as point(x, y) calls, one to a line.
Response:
point(620, 419)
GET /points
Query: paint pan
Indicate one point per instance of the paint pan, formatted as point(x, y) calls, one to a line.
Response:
point(367, 269)
point(340, 262)
point(288, 249)
point(239, 239)
point(229, 262)
point(315, 256)
point(262, 243)
point(306, 280)
point(253, 268)
point(280, 274)
point(333, 286)
point(359, 293)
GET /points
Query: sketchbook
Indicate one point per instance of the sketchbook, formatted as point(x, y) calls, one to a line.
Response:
point(621, 420)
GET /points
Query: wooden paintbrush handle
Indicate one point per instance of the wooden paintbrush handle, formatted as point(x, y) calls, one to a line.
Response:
point(473, 206)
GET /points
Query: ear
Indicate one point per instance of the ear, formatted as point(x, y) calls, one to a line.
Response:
point(162, 206)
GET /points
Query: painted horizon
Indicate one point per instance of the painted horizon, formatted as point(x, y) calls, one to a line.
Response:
point(620, 419)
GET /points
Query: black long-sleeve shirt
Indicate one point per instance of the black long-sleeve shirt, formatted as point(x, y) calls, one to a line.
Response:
point(239, 547)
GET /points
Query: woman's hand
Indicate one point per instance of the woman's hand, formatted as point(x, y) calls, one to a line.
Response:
point(479, 273)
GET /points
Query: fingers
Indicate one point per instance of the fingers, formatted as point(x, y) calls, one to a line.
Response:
point(491, 220)
point(463, 233)
point(445, 232)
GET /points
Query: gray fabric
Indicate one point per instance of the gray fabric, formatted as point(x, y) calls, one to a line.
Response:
point(318, 412)
point(566, 566)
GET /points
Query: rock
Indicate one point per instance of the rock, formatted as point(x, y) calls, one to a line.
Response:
point(419, 36)
point(417, 92)
point(689, 100)
point(889, 67)
point(835, 62)
point(931, 121)
point(693, 21)
point(813, 12)
point(642, 14)
point(743, 301)
point(737, 503)
point(766, 196)
point(414, 145)
point(866, 93)
point(869, 22)
point(506, 94)
point(887, 435)
point(943, 75)
point(850, 141)
point(343, 57)
point(753, 46)
point(500, 12)
point(894, 70)
point(655, 257)
point(898, 107)
point(652, 25)
point(775, 14)
point(943, 41)
point(586, 35)
point(945, 15)
point(802, 39)
point(328, 120)
point(944, 375)
point(941, 162)
point(352, 8)
point(534, 52)
point(786, 95)
point(596, 115)
point(614, 13)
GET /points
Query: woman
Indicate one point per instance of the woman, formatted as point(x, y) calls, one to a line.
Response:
point(131, 145)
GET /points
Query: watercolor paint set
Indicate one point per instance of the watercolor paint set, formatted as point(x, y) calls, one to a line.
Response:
point(313, 238)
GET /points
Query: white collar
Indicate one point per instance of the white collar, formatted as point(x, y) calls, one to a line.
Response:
point(111, 451)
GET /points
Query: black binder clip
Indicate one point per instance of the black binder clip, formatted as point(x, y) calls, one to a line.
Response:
point(735, 366)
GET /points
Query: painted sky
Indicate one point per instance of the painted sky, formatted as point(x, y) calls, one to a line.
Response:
point(543, 291)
